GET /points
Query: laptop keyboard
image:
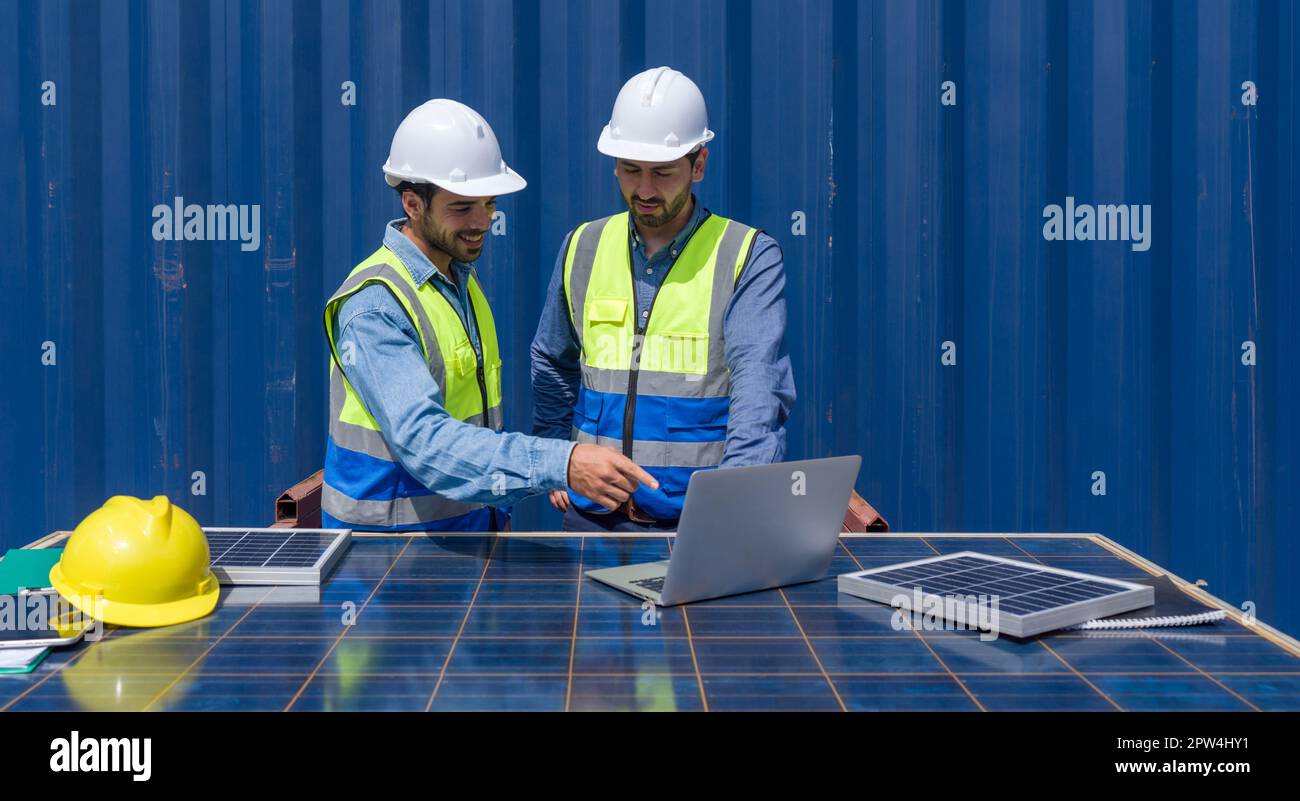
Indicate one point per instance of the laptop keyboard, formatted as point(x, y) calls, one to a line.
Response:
point(655, 584)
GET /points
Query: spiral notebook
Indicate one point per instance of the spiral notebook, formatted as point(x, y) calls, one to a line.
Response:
point(1172, 607)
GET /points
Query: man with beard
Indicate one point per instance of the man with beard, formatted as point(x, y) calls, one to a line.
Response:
point(663, 332)
point(415, 440)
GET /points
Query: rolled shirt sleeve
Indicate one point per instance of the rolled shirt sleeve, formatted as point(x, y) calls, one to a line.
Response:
point(453, 459)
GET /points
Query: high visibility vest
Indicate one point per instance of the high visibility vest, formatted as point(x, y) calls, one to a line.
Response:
point(365, 485)
point(656, 389)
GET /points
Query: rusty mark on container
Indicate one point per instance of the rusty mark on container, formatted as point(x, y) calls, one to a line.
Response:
point(170, 274)
point(279, 271)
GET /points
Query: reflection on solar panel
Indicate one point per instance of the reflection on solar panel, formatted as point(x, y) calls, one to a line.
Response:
point(1030, 598)
point(274, 555)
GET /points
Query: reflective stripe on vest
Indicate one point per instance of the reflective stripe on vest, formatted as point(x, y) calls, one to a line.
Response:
point(659, 391)
point(365, 484)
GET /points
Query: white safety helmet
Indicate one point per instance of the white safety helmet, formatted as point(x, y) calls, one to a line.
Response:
point(450, 145)
point(659, 116)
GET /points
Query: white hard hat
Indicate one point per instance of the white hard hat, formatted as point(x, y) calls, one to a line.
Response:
point(659, 116)
point(450, 145)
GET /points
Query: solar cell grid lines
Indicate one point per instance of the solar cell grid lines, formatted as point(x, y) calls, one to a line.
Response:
point(1022, 590)
point(445, 628)
point(274, 556)
point(1030, 598)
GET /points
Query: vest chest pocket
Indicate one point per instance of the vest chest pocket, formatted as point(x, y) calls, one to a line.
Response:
point(676, 352)
point(607, 333)
point(460, 392)
point(492, 374)
point(464, 362)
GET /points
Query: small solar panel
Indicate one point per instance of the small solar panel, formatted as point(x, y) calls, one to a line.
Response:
point(274, 555)
point(1030, 598)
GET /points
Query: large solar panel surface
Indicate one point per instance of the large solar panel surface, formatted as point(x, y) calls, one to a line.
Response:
point(1030, 598)
point(477, 622)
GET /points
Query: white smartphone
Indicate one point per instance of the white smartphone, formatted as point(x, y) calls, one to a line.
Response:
point(33, 619)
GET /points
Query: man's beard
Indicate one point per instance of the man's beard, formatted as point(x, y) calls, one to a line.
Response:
point(448, 242)
point(670, 211)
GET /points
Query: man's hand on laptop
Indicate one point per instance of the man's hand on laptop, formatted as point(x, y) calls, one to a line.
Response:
point(605, 476)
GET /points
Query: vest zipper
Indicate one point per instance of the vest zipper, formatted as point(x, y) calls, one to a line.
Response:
point(629, 405)
point(495, 523)
point(478, 355)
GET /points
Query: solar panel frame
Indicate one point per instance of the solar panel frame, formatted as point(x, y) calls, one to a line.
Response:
point(271, 555)
point(1015, 617)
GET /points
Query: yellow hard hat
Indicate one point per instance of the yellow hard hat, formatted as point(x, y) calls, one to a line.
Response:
point(133, 562)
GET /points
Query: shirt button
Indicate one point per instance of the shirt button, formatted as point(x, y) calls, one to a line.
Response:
point(645, 314)
point(674, 252)
point(649, 271)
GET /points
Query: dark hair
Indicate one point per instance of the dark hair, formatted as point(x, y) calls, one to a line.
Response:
point(692, 156)
point(424, 191)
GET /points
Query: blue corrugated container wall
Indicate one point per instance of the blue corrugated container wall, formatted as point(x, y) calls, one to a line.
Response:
point(198, 370)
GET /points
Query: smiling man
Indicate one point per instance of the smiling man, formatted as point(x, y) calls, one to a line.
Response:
point(415, 439)
point(663, 332)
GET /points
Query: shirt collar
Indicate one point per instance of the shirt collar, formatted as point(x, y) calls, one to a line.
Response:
point(683, 236)
point(416, 263)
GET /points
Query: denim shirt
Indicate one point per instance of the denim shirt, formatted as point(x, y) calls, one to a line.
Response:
point(453, 459)
point(753, 325)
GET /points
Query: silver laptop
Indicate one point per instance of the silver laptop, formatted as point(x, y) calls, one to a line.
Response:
point(744, 529)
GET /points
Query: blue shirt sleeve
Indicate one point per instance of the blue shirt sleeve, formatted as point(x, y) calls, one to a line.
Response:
point(762, 381)
point(453, 459)
point(555, 354)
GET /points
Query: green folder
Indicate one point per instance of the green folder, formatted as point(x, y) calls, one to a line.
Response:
point(27, 569)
